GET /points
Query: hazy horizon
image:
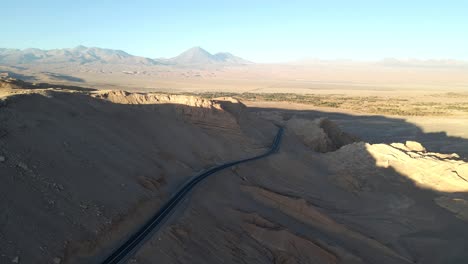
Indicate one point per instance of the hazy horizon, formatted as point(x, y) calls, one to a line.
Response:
point(296, 61)
point(261, 31)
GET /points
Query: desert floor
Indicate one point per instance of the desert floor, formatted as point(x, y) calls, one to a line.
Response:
point(362, 176)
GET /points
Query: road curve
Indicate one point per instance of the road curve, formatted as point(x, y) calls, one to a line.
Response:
point(129, 247)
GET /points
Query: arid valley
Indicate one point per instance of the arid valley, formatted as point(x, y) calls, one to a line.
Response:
point(372, 166)
point(233, 132)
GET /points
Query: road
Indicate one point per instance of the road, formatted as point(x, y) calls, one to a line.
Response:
point(129, 247)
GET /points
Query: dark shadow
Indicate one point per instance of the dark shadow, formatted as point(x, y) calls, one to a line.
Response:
point(381, 129)
point(14, 83)
point(10, 74)
point(63, 77)
point(103, 144)
point(17, 67)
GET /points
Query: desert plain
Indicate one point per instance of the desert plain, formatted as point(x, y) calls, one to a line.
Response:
point(372, 167)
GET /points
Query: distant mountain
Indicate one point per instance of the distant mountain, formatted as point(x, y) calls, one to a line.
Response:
point(90, 55)
point(194, 55)
point(197, 56)
point(227, 57)
point(80, 55)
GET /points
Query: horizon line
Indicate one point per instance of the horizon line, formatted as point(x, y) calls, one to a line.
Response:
point(304, 59)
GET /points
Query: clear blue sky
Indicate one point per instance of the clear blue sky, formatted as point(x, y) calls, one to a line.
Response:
point(262, 31)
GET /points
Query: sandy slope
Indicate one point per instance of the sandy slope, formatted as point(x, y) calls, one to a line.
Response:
point(80, 169)
point(76, 165)
point(343, 206)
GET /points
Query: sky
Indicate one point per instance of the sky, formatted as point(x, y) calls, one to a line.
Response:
point(261, 31)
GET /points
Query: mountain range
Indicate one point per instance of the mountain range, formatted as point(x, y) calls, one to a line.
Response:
point(91, 55)
point(197, 55)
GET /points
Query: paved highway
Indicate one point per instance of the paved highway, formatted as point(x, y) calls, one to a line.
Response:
point(129, 247)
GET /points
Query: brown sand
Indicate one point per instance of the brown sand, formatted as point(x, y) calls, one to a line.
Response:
point(81, 169)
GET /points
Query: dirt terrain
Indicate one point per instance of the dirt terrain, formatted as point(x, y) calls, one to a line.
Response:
point(75, 164)
point(355, 78)
point(80, 169)
point(440, 133)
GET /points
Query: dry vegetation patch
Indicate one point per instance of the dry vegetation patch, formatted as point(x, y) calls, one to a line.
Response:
point(398, 106)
